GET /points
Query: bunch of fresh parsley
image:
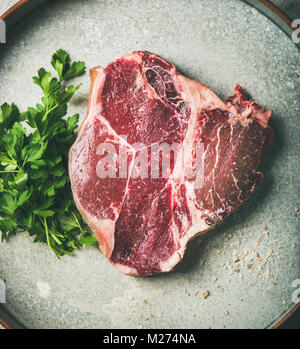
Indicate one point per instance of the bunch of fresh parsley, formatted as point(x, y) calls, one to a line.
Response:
point(35, 191)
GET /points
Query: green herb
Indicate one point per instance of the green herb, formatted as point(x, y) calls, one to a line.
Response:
point(35, 192)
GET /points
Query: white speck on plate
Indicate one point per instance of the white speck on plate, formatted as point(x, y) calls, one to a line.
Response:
point(254, 11)
point(44, 289)
point(290, 84)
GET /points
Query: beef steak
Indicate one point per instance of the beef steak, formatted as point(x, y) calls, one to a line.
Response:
point(144, 115)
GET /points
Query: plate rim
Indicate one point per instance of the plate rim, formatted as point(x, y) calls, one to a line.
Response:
point(13, 9)
point(279, 15)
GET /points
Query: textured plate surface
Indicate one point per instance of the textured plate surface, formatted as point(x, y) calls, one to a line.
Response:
point(247, 264)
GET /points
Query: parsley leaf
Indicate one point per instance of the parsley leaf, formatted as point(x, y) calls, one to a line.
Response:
point(65, 70)
point(35, 191)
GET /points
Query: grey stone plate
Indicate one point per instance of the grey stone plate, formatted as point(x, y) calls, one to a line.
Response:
point(247, 265)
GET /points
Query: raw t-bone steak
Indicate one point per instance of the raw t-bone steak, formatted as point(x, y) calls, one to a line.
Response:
point(160, 159)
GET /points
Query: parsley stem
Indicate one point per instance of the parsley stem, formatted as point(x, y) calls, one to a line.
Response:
point(9, 171)
point(47, 234)
point(48, 111)
point(78, 224)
